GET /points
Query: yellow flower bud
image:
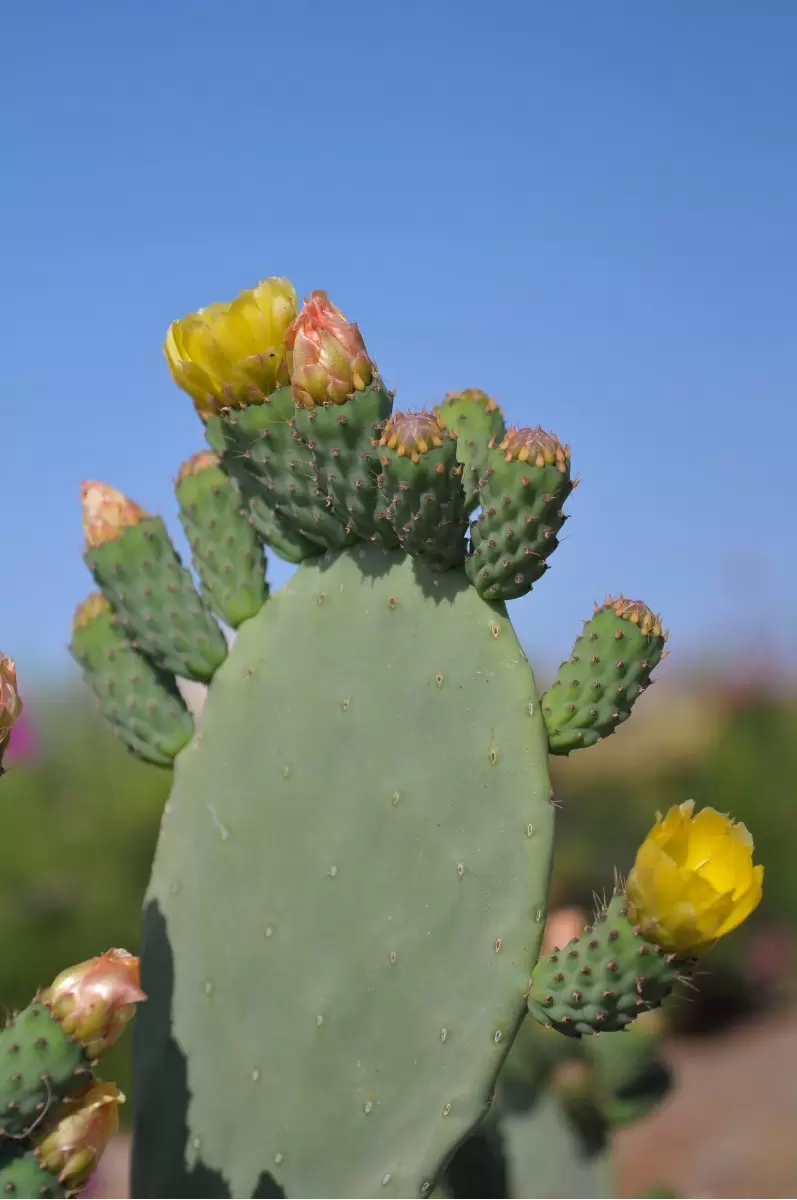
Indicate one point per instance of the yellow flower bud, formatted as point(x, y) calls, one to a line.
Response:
point(229, 355)
point(79, 1132)
point(10, 703)
point(693, 880)
point(94, 1001)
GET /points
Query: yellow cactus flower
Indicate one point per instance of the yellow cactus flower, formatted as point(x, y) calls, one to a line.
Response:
point(229, 355)
point(693, 880)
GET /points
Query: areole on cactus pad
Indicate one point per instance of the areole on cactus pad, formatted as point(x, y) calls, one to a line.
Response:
point(349, 889)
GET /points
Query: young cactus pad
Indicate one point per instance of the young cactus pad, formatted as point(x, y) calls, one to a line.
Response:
point(350, 883)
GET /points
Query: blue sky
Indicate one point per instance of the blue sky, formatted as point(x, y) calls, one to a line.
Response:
point(588, 210)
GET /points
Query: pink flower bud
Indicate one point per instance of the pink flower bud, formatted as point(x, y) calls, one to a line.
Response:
point(94, 1001)
point(326, 354)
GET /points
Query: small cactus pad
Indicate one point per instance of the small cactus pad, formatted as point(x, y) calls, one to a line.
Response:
point(154, 598)
point(421, 486)
point(342, 440)
point(22, 1175)
point(275, 531)
point(140, 702)
point(611, 664)
point(602, 980)
point(39, 1064)
point(475, 419)
point(261, 441)
point(357, 996)
point(525, 481)
point(224, 547)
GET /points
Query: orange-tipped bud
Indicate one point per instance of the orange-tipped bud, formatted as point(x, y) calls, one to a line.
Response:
point(637, 613)
point(93, 606)
point(326, 354)
point(537, 447)
point(106, 512)
point(81, 1128)
point(413, 434)
point(201, 461)
point(94, 1001)
point(10, 703)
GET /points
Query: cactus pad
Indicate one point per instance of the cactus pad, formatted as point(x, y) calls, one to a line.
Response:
point(602, 980)
point(155, 600)
point(524, 483)
point(141, 703)
point(23, 1176)
point(373, 764)
point(262, 441)
point(422, 488)
point(39, 1064)
point(610, 666)
point(224, 546)
point(342, 440)
point(475, 419)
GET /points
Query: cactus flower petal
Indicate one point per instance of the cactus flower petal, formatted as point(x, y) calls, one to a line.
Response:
point(94, 1001)
point(81, 1128)
point(326, 354)
point(693, 880)
point(229, 355)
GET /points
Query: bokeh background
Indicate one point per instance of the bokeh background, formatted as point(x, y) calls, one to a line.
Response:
point(586, 210)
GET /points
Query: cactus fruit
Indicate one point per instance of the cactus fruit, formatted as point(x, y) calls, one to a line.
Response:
point(611, 663)
point(604, 979)
point(350, 883)
point(422, 490)
point(524, 483)
point(132, 559)
point(141, 702)
point(227, 554)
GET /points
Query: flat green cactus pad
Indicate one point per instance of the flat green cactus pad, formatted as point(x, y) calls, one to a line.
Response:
point(348, 893)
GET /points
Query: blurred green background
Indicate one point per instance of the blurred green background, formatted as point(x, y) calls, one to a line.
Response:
point(80, 817)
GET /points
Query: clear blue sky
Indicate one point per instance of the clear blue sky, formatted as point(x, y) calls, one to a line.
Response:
point(589, 210)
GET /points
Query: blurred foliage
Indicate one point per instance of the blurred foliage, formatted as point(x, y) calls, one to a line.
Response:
point(80, 822)
point(79, 827)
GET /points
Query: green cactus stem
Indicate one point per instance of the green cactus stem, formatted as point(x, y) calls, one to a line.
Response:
point(601, 981)
point(611, 665)
point(475, 420)
point(524, 483)
point(153, 596)
point(141, 703)
point(421, 487)
point(225, 550)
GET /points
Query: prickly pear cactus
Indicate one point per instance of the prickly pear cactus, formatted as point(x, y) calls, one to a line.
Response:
point(350, 884)
point(56, 1117)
